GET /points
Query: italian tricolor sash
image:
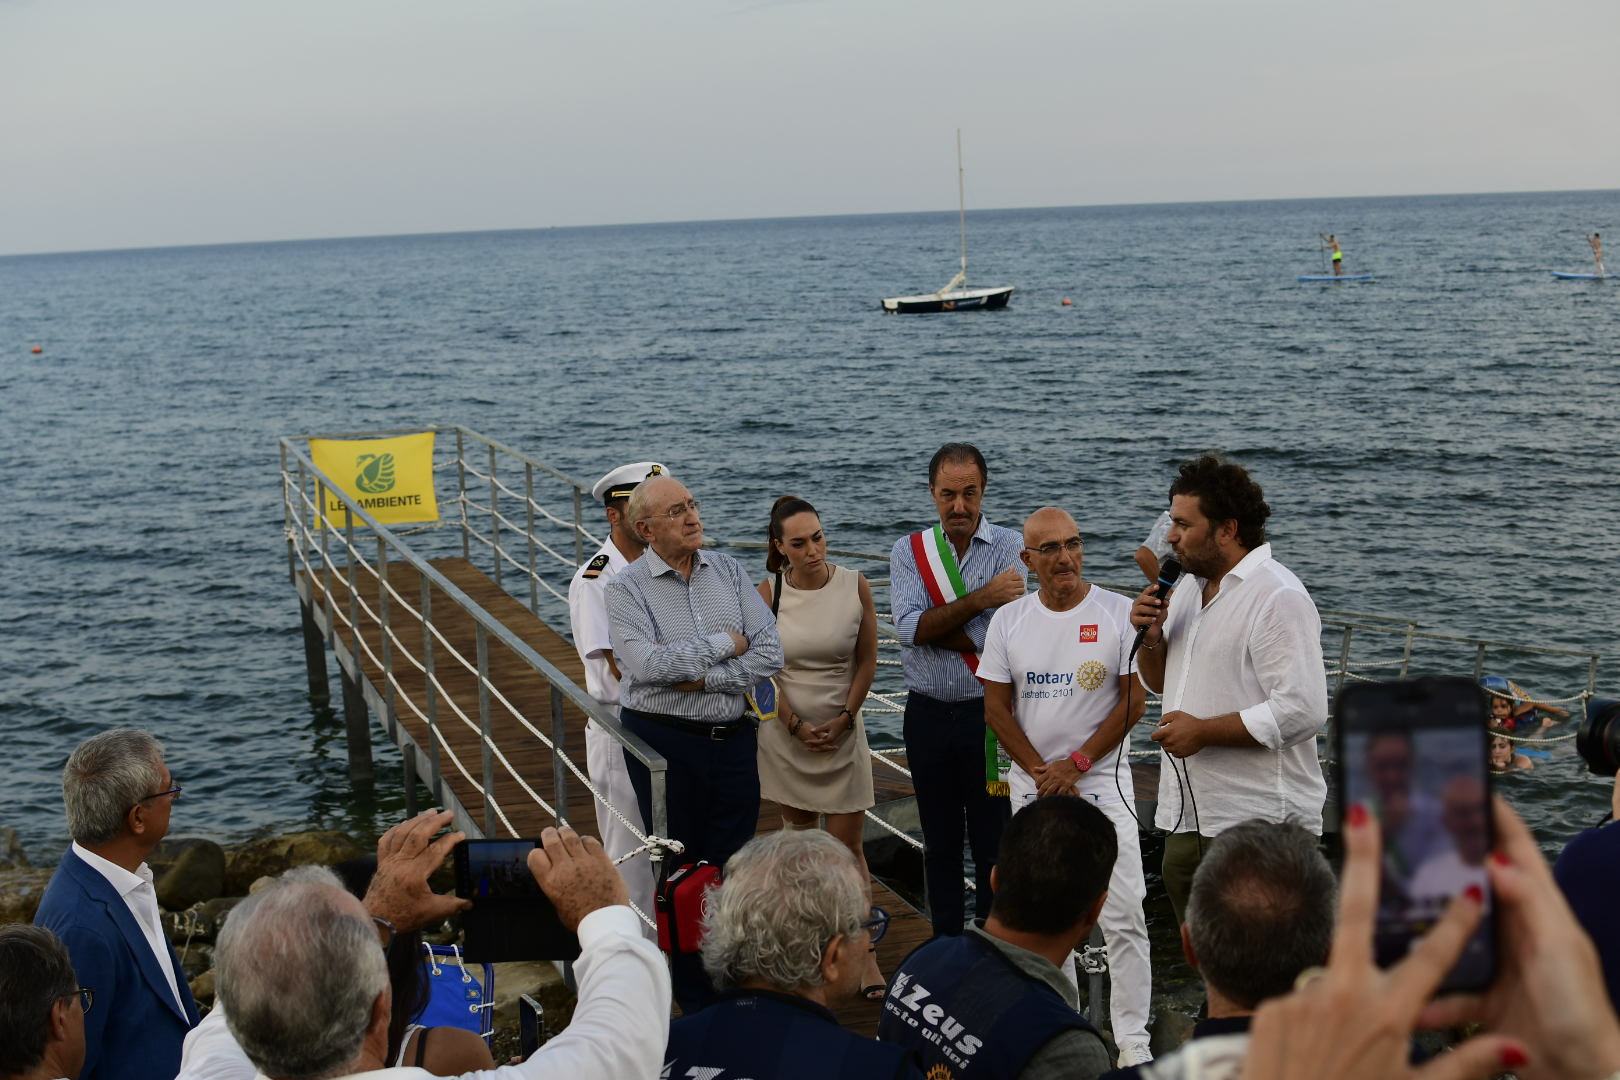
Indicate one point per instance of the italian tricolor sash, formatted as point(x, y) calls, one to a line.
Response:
point(936, 565)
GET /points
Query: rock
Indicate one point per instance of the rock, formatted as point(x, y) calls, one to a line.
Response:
point(1169, 1030)
point(202, 988)
point(246, 863)
point(187, 871)
point(20, 894)
point(12, 856)
point(217, 909)
point(195, 959)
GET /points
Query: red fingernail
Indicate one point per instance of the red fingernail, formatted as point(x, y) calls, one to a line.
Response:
point(1500, 859)
point(1356, 815)
point(1514, 1056)
point(1475, 893)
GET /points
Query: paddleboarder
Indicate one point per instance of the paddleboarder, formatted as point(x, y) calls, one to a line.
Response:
point(1597, 251)
point(1331, 243)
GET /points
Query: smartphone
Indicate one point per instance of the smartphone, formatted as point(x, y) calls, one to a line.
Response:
point(530, 1015)
point(1416, 755)
point(511, 918)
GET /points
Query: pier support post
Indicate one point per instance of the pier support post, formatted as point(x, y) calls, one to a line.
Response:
point(410, 781)
point(359, 731)
point(320, 689)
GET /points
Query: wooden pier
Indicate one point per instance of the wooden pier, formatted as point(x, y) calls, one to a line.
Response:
point(519, 757)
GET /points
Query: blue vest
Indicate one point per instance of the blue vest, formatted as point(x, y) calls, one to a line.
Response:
point(763, 1034)
point(958, 1003)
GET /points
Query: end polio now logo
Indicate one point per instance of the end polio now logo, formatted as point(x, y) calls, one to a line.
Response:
point(376, 473)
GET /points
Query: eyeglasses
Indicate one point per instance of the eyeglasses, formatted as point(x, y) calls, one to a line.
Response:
point(86, 996)
point(175, 791)
point(677, 511)
point(1071, 545)
point(385, 932)
point(877, 925)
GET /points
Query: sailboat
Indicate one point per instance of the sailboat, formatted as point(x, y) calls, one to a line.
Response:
point(955, 296)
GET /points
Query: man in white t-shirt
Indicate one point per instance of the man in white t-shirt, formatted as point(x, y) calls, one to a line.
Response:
point(1058, 693)
point(587, 615)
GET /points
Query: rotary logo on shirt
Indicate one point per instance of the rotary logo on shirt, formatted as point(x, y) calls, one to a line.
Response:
point(1091, 674)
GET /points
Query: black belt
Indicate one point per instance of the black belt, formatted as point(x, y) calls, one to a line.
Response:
point(719, 732)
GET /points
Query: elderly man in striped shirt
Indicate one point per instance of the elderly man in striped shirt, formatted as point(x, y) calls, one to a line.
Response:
point(691, 636)
point(945, 583)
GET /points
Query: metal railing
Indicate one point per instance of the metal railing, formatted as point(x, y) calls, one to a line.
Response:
point(358, 551)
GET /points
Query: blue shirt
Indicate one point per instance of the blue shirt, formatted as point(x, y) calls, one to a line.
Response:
point(941, 673)
point(666, 630)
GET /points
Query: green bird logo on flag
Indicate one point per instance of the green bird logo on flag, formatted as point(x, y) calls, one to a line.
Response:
point(376, 473)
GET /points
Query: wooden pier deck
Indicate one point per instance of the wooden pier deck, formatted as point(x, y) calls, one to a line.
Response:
point(522, 756)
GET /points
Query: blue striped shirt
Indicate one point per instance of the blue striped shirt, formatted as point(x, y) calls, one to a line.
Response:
point(666, 630)
point(941, 673)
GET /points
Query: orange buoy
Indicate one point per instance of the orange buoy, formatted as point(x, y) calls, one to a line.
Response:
point(1067, 302)
point(39, 348)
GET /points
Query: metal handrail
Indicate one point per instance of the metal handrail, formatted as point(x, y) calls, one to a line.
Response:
point(487, 627)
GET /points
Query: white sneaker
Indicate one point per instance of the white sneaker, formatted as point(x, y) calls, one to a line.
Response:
point(1133, 1053)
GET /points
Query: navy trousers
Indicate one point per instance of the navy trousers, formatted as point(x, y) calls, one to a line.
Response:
point(712, 791)
point(945, 751)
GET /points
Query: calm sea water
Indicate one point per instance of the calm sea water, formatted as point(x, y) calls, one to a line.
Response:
point(1435, 444)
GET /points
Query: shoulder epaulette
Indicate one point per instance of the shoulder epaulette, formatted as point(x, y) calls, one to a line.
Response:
point(594, 568)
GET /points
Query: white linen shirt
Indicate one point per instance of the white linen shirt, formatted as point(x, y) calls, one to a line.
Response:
point(1255, 650)
point(619, 1029)
point(140, 897)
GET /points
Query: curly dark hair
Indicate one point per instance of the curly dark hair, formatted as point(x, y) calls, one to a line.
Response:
point(1226, 492)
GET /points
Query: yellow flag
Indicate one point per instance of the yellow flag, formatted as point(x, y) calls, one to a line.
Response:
point(391, 478)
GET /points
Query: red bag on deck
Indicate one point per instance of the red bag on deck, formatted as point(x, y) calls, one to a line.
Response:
point(680, 906)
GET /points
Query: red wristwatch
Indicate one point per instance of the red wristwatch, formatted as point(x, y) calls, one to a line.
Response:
point(1081, 762)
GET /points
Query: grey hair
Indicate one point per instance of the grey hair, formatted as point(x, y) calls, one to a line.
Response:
point(35, 973)
point(640, 504)
point(1261, 910)
point(786, 895)
point(299, 972)
point(105, 777)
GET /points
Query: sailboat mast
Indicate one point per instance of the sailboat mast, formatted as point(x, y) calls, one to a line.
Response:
point(961, 204)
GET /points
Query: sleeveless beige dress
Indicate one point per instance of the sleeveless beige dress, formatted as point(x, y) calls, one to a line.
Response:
point(818, 629)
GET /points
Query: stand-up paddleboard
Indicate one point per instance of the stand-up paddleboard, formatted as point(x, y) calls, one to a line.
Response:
point(1583, 277)
point(1335, 277)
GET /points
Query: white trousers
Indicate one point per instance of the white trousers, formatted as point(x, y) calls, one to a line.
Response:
point(1124, 927)
point(604, 764)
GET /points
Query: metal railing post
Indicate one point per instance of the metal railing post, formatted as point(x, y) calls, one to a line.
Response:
point(488, 740)
point(287, 516)
point(528, 505)
point(461, 494)
point(579, 527)
point(323, 526)
point(494, 517)
point(1344, 661)
point(430, 688)
point(559, 772)
point(354, 702)
point(1406, 653)
point(389, 718)
point(1479, 662)
point(660, 800)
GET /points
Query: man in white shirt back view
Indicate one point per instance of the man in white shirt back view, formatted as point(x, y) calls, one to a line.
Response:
point(1236, 652)
point(101, 903)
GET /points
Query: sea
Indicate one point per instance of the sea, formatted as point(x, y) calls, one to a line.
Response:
point(1436, 444)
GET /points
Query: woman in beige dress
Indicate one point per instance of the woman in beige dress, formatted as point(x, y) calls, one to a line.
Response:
point(813, 760)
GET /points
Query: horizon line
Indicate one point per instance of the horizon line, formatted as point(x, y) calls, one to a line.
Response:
point(789, 217)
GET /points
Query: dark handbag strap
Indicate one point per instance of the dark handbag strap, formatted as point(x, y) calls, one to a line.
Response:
point(421, 1046)
point(776, 595)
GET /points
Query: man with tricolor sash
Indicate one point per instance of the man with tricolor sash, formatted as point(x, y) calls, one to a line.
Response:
point(945, 583)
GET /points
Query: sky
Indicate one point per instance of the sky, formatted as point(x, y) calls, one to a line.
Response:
point(141, 123)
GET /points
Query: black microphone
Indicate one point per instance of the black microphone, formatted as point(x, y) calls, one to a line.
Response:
point(1169, 571)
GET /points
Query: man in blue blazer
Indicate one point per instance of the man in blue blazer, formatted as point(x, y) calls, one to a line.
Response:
point(101, 903)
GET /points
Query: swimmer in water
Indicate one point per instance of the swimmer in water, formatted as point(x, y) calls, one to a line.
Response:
point(1505, 759)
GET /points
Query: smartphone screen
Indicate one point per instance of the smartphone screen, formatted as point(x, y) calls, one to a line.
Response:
point(1415, 754)
point(511, 918)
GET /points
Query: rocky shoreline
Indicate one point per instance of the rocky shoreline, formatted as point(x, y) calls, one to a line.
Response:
point(198, 881)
